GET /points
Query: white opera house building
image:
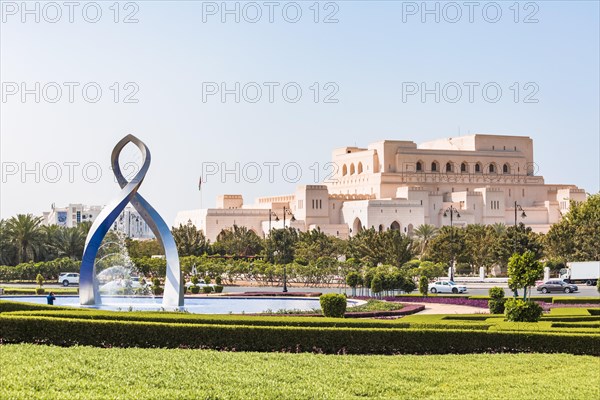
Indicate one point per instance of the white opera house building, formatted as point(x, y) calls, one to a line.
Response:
point(397, 184)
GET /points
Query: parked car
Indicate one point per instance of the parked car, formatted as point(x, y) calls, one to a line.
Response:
point(446, 287)
point(557, 285)
point(68, 278)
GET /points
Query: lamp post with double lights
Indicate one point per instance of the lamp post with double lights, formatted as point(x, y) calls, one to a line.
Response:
point(452, 210)
point(272, 214)
point(275, 254)
point(288, 212)
point(523, 215)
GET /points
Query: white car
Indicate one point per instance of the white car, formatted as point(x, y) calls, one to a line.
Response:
point(68, 278)
point(446, 287)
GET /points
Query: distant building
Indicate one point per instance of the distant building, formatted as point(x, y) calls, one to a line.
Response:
point(129, 222)
point(395, 184)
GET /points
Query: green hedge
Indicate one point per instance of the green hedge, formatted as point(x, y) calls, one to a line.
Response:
point(31, 291)
point(29, 270)
point(102, 333)
point(11, 306)
point(576, 300)
point(213, 319)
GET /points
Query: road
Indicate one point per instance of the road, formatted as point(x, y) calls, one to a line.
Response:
point(474, 289)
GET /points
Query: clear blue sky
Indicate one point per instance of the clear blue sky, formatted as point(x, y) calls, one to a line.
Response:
point(367, 56)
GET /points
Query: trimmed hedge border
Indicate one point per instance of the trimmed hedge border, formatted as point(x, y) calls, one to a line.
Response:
point(213, 319)
point(69, 332)
point(576, 300)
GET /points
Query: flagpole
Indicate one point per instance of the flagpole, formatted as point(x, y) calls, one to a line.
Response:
point(200, 189)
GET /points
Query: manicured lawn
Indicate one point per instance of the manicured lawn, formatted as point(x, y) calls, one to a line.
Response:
point(32, 371)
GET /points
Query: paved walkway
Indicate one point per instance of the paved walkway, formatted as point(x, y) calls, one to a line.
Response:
point(436, 308)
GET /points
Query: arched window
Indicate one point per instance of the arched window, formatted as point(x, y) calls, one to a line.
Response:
point(419, 166)
point(478, 168)
point(395, 226)
point(449, 167)
point(506, 169)
point(463, 167)
point(352, 170)
point(344, 170)
point(360, 168)
point(434, 166)
point(492, 168)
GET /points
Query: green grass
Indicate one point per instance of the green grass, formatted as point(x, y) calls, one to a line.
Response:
point(92, 373)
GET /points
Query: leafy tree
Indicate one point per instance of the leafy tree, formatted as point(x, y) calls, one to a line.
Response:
point(314, 244)
point(238, 241)
point(373, 247)
point(523, 271)
point(423, 234)
point(189, 240)
point(377, 283)
point(353, 280)
point(479, 242)
point(576, 236)
point(516, 240)
point(26, 234)
point(147, 248)
point(449, 243)
point(427, 269)
point(424, 286)
point(282, 241)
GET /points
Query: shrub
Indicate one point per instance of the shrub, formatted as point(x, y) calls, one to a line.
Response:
point(496, 293)
point(333, 305)
point(194, 279)
point(496, 306)
point(496, 302)
point(40, 280)
point(218, 288)
point(424, 285)
point(218, 280)
point(207, 280)
point(156, 289)
point(407, 285)
point(377, 284)
point(207, 289)
point(40, 290)
point(195, 289)
point(517, 310)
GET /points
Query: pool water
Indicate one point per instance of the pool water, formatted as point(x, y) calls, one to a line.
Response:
point(196, 305)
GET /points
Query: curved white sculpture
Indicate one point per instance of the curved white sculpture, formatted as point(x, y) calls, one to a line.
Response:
point(88, 285)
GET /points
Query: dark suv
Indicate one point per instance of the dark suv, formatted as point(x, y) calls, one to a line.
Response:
point(557, 285)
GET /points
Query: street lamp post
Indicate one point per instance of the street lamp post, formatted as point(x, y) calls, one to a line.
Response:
point(288, 212)
point(452, 210)
point(523, 215)
point(272, 213)
point(275, 254)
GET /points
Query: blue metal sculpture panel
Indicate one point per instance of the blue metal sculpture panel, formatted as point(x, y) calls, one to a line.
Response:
point(88, 285)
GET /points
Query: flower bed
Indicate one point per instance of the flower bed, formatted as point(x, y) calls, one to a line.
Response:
point(461, 301)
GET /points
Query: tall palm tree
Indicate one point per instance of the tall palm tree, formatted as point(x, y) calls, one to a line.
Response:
point(69, 242)
point(7, 249)
point(26, 234)
point(424, 233)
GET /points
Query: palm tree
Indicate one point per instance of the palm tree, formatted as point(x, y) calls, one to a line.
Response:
point(7, 249)
point(424, 233)
point(26, 234)
point(190, 241)
point(69, 242)
point(499, 228)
